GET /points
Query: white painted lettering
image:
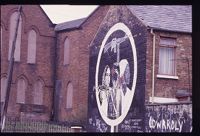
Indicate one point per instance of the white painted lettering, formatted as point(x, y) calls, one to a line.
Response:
point(172, 125)
point(181, 125)
point(168, 125)
point(163, 125)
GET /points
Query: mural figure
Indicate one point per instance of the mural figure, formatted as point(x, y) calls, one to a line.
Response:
point(105, 90)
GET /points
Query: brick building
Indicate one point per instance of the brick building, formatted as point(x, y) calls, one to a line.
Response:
point(61, 65)
point(32, 80)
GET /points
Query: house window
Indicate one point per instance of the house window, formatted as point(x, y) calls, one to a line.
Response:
point(13, 23)
point(167, 55)
point(38, 93)
point(3, 88)
point(31, 47)
point(21, 88)
point(69, 96)
point(66, 52)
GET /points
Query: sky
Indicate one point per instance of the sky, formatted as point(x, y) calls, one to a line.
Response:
point(63, 13)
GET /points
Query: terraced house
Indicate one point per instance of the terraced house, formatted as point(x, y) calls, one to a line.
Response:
point(55, 64)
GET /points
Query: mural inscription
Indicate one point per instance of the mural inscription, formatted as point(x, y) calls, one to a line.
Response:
point(169, 118)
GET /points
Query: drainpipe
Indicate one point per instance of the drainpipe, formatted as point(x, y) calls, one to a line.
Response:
point(54, 104)
point(153, 66)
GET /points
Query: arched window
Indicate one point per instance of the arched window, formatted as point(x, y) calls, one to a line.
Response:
point(13, 23)
point(31, 47)
point(69, 97)
point(38, 93)
point(66, 52)
point(21, 89)
point(3, 88)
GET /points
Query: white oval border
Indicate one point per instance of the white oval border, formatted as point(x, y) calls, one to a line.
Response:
point(123, 27)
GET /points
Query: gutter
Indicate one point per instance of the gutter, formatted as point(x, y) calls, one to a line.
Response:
point(172, 31)
point(153, 66)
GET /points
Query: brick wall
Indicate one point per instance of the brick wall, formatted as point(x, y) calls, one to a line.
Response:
point(77, 71)
point(168, 87)
point(32, 17)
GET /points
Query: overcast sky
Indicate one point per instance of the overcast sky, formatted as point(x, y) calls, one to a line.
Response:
point(63, 13)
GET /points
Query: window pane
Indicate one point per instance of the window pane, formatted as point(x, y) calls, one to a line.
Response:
point(167, 61)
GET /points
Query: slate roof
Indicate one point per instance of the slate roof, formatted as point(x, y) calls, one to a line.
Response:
point(165, 17)
point(162, 17)
point(70, 24)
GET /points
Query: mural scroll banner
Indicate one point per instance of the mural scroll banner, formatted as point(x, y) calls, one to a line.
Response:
point(117, 77)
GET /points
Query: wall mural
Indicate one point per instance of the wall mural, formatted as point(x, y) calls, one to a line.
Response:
point(117, 66)
point(115, 83)
point(116, 94)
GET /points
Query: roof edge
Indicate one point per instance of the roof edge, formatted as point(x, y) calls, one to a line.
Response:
point(75, 27)
point(78, 27)
point(86, 18)
point(175, 31)
point(137, 16)
point(47, 16)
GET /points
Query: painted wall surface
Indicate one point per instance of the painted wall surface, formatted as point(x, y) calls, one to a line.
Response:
point(117, 74)
point(169, 118)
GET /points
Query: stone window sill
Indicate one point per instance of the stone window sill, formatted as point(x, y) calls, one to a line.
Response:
point(167, 77)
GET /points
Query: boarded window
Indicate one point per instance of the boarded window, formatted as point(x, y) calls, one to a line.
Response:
point(38, 93)
point(3, 88)
point(31, 47)
point(1, 38)
point(69, 96)
point(21, 89)
point(66, 51)
point(13, 23)
point(167, 56)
